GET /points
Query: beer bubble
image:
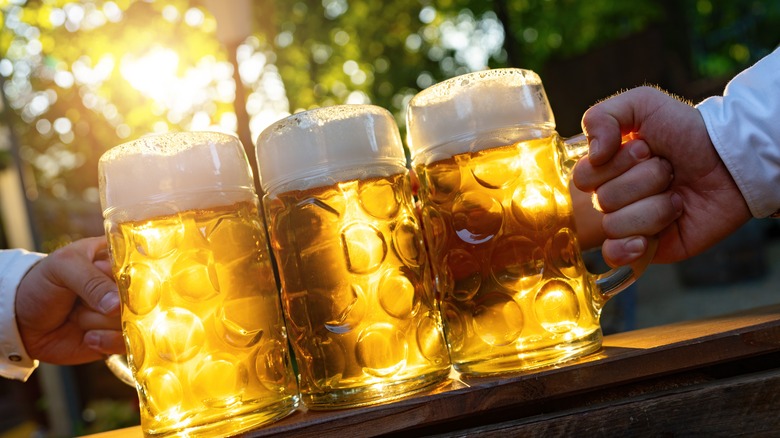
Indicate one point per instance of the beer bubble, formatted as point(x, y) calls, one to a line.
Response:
point(161, 239)
point(378, 198)
point(135, 344)
point(219, 380)
point(430, 340)
point(465, 272)
point(238, 321)
point(348, 308)
point(556, 307)
point(194, 276)
point(498, 319)
point(381, 350)
point(177, 335)
point(534, 206)
point(406, 241)
point(564, 253)
point(476, 217)
point(442, 179)
point(364, 247)
point(398, 293)
point(143, 285)
point(161, 393)
point(272, 366)
point(517, 263)
point(497, 169)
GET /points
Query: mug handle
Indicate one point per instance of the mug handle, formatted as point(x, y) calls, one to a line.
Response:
point(117, 363)
point(615, 280)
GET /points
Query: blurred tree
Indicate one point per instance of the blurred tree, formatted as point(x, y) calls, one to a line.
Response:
point(83, 76)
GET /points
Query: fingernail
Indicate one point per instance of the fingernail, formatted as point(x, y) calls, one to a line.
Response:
point(635, 246)
point(109, 303)
point(677, 203)
point(639, 150)
point(92, 340)
point(593, 148)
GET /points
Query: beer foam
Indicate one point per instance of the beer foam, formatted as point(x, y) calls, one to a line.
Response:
point(327, 145)
point(183, 170)
point(465, 106)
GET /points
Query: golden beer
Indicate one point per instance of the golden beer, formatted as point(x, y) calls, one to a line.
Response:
point(356, 285)
point(514, 290)
point(201, 313)
point(498, 218)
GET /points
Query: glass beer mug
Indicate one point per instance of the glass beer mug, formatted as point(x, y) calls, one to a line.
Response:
point(201, 315)
point(497, 216)
point(356, 284)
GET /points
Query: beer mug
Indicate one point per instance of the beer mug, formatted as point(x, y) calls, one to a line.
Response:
point(356, 285)
point(497, 216)
point(201, 313)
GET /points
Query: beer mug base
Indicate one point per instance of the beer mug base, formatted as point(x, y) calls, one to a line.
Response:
point(530, 359)
point(368, 394)
point(238, 422)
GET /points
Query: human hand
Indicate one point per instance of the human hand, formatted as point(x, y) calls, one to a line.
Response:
point(67, 305)
point(702, 204)
point(632, 161)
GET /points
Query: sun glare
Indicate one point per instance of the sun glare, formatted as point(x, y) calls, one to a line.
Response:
point(182, 92)
point(153, 74)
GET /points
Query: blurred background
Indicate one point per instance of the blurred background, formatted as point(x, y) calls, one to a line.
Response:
point(78, 77)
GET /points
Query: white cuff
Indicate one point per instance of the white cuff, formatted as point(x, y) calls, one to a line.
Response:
point(15, 363)
point(743, 126)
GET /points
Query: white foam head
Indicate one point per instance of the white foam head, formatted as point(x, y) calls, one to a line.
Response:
point(327, 145)
point(182, 171)
point(461, 108)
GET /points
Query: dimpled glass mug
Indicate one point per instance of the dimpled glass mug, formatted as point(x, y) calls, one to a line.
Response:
point(201, 315)
point(356, 284)
point(497, 216)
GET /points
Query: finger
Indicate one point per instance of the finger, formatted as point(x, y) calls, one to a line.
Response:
point(96, 288)
point(646, 179)
point(588, 177)
point(607, 122)
point(103, 261)
point(105, 341)
point(646, 217)
point(621, 252)
point(89, 319)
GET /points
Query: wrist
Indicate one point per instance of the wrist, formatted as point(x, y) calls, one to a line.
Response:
point(15, 362)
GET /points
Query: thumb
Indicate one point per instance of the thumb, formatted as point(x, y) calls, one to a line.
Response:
point(607, 123)
point(92, 280)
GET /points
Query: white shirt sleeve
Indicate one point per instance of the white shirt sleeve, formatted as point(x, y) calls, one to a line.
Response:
point(744, 126)
point(14, 361)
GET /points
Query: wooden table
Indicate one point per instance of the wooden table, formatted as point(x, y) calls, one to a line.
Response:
point(712, 377)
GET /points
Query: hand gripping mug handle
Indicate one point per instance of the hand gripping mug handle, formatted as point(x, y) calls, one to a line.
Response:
point(615, 280)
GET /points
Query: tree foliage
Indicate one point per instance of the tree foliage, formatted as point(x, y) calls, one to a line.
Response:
point(66, 75)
